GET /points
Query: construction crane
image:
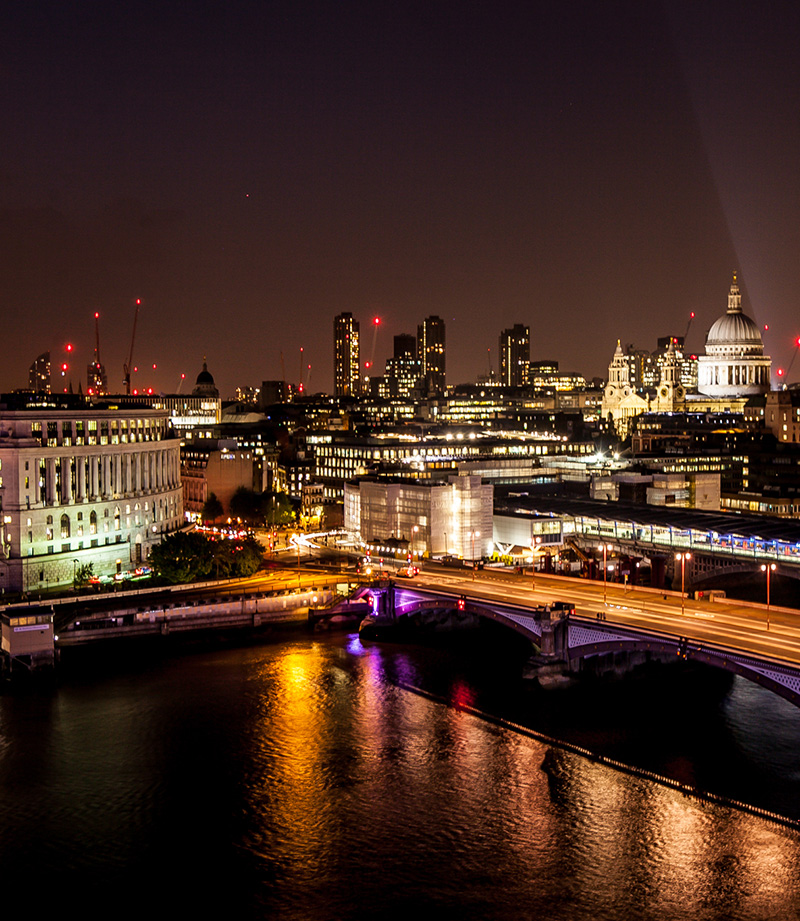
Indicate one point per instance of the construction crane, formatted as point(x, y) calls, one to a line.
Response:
point(688, 327)
point(96, 380)
point(126, 380)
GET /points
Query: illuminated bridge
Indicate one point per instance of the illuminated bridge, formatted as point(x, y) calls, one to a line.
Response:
point(564, 636)
point(718, 541)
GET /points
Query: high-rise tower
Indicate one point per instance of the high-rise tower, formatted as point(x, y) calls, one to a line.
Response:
point(346, 369)
point(431, 354)
point(515, 355)
point(39, 374)
point(403, 367)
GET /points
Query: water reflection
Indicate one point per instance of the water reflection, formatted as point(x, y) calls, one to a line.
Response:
point(321, 779)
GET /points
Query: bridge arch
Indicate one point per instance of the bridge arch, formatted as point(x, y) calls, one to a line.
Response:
point(561, 634)
point(588, 641)
point(522, 624)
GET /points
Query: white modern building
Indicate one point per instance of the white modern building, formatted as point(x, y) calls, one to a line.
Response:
point(435, 518)
point(82, 482)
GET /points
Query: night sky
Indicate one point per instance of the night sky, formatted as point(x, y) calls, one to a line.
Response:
point(249, 170)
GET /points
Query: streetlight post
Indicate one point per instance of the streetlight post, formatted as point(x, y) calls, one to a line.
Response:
point(473, 535)
point(683, 557)
point(605, 548)
point(299, 580)
point(768, 568)
point(414, 532)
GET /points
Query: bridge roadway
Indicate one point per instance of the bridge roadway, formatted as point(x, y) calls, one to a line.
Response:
point(743, 627)
point(738, 637)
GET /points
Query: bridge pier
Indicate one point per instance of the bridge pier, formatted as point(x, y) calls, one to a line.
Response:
point(553, 643)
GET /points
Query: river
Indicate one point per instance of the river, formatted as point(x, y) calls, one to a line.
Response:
point(322, 778)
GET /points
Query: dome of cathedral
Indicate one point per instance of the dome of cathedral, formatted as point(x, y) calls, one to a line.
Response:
point(734, 330)
point(734, 364)
point(205, 376)
point(205, 385)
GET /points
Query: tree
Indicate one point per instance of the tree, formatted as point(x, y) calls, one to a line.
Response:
point(187, 557)
point(246, 556)
point(246, 505)
point(183, 557)
point(212, 508)
point(83, 575)
point(276, 508)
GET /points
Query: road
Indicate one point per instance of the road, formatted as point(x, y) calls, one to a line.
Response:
point(727, 623)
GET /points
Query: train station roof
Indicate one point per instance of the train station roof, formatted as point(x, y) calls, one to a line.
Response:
point(751, 527)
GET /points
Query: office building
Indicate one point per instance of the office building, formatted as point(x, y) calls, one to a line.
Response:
point(82, 482)
point(431, 354)
point(346, 357)
point(39, 374)
point(515, 355)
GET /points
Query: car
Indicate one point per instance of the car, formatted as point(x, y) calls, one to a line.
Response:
point(407, 572)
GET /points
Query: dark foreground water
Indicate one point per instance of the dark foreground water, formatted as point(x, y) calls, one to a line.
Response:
point(317, 778)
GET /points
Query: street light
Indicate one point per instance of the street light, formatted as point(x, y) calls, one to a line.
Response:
point(414, 532)
point(473, 535)
point(683, 557)
point(768, 568)
point(605, 548)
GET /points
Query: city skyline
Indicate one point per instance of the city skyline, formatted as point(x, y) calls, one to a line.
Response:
point(253, 171)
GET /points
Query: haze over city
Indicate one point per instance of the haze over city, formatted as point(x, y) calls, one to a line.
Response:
point(250, 170)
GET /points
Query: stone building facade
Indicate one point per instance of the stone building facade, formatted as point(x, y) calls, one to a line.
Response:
point(82, 482)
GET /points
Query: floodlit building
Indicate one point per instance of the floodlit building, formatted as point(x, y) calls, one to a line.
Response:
point(734, 364)
point(621, 402)
point(452, 518)
point(82, 482)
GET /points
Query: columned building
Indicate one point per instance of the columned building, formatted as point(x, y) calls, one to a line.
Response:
point(346, 356)
point(734, 364)
point(82, 482)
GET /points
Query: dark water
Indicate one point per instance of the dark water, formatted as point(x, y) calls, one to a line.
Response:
point(310, 779)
